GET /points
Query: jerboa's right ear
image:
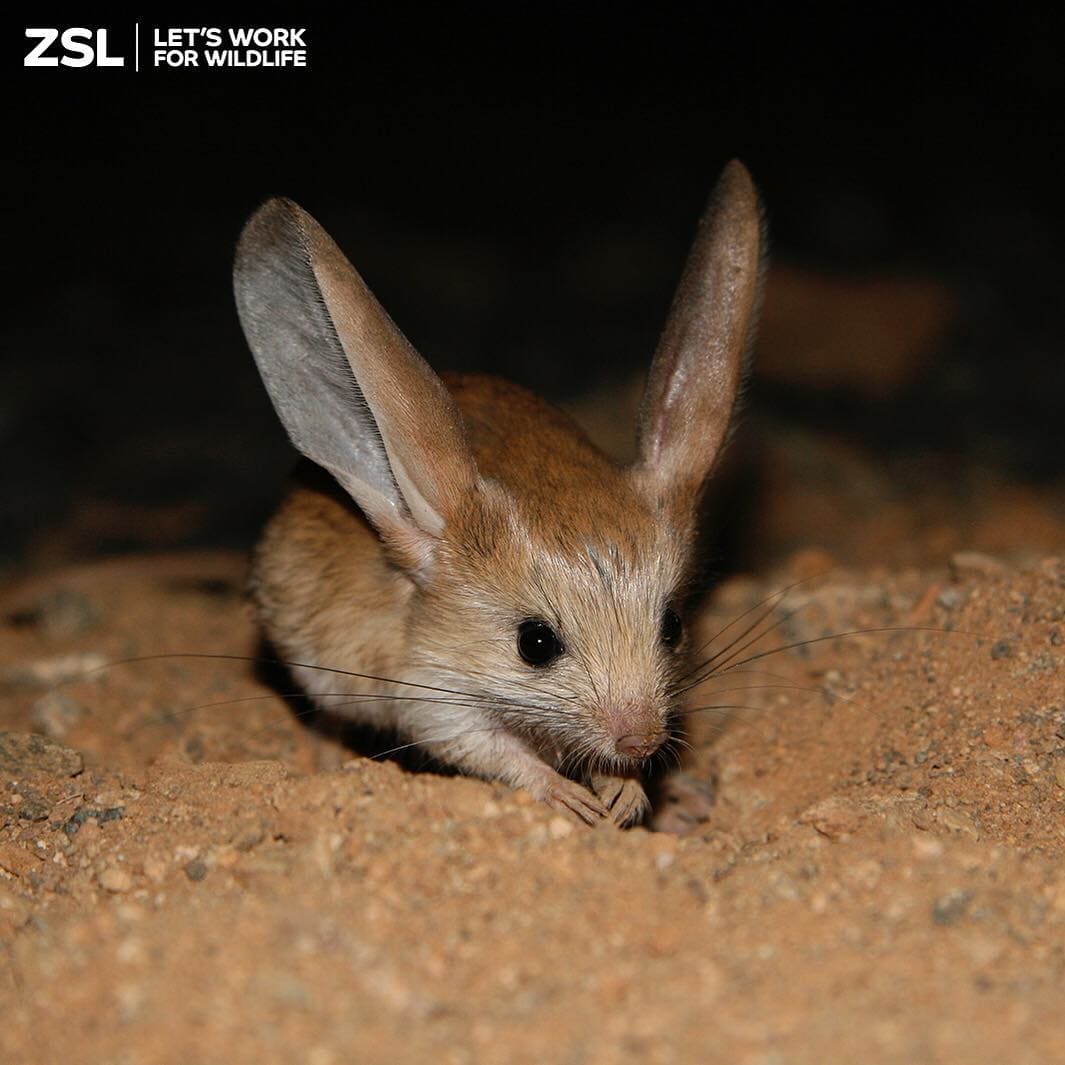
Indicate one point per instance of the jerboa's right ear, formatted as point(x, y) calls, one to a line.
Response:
point(352, 393)
point(699, 364)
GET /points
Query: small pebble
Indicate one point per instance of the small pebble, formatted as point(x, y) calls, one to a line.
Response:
point(196, 870)
point(834, 818)
point(809, 562)
point(155, 869)
point(982, 950)
point(1001, 649)
point(64, 614)
point(34, 809)
point(949, 909)
point(664, 847)
point(248, 834)
point(927, 847)
point(86, 813)
point(975, 562)
point(130, 999)
point(664, 942)
point(55, 714)
point(922, 819)
point(956, 821)
point(283, 988)
point(116, 880)
point(950, 598)
point(47, 672)
point(16, 860)
point(559, 828)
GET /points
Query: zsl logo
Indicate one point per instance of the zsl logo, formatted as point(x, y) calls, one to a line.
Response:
point(78, 46)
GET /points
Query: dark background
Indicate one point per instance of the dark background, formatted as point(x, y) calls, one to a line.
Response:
point(519, 187)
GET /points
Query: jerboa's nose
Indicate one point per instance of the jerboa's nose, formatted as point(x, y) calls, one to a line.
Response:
point(639, 746)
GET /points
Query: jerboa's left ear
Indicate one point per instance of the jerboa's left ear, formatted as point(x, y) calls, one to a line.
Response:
point(352, 393)
point(699, 364)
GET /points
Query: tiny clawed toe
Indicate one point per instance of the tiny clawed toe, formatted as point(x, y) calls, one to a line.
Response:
point(624, 799)
point(574, 799)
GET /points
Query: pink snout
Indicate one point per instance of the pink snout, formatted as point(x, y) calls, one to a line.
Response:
point(639, 747)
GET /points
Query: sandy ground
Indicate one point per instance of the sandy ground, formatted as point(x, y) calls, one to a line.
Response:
point(874, 871)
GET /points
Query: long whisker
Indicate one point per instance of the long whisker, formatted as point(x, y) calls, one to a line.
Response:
point(435, 739)
point(672, 749)
point(272, 662)
point(354, 698)
point(839, 636)
point(780, 681)
point(762, 687)
point(757, 673)
point(780, 594)
point(428, 740)
point(728, 651)
point(718, 706)
point(511, 682)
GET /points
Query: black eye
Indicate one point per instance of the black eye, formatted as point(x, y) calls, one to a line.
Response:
point(537, 642)
point(671, 627)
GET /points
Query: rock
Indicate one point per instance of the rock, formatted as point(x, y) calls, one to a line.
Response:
point(55, 714)
point(26, 752)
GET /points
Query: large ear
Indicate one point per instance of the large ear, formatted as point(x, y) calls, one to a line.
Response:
point(352, 393)
point(699, 364)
